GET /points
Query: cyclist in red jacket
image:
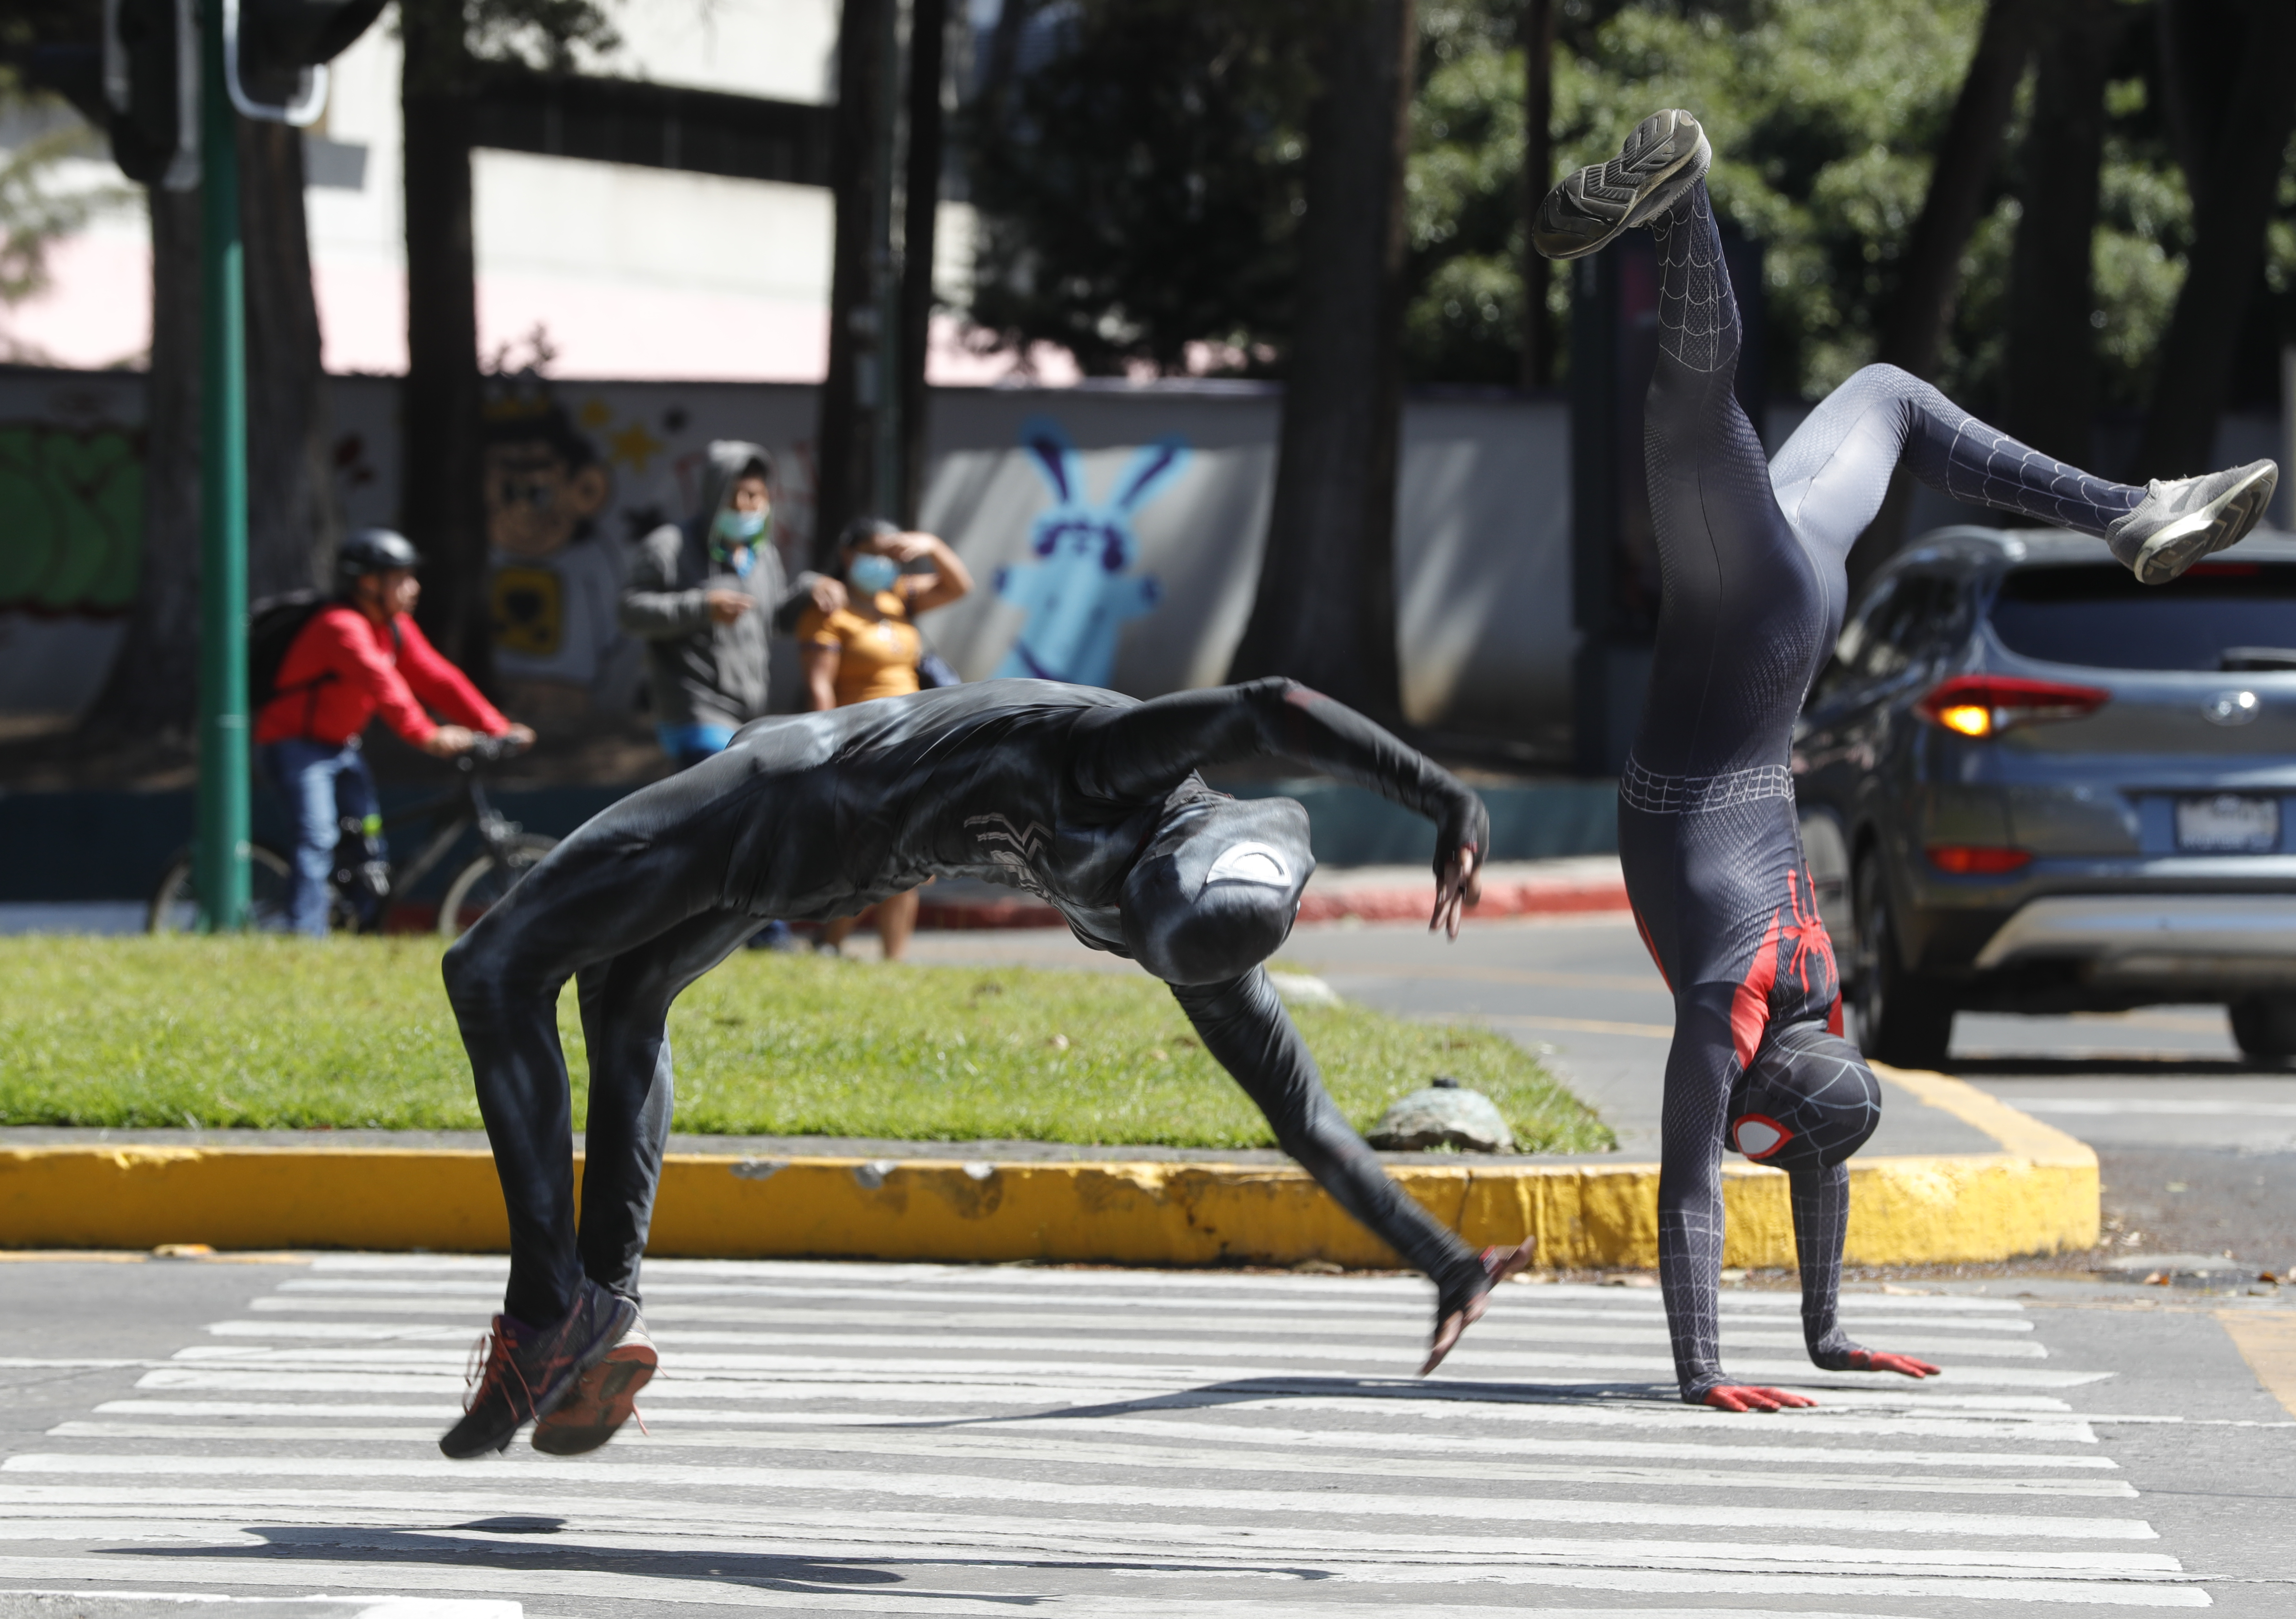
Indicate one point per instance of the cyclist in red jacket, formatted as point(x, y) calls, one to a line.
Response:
point(360, 655)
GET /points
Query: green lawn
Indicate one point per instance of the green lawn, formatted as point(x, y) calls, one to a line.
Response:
point(356, 1032)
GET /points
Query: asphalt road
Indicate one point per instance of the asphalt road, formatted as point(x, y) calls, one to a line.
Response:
point(843, 1439)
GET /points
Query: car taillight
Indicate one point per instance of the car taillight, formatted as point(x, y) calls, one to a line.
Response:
point(1977, 859)
point(1983, 705)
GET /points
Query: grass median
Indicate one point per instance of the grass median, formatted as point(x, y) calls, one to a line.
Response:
point(355, 1033)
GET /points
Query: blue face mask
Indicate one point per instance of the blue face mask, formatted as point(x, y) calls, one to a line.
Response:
point(872, 574)
point(741, 528)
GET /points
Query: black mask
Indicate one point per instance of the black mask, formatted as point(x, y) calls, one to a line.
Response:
point(1808, 1102)
point(1215, 892)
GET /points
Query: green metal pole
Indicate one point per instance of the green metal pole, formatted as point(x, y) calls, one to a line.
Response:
point(220, 861)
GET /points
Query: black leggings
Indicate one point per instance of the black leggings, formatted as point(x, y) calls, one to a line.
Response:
point(1752, 556)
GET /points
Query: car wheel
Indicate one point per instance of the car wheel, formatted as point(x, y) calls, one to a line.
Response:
point(2264, 1026)
point(1902, 1018)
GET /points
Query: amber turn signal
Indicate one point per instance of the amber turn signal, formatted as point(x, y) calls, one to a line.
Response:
point(1984, 705)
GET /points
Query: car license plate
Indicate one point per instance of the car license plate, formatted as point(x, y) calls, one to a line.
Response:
point(2228, 824)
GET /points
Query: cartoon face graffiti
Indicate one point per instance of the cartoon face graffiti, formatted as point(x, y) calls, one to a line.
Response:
point(1078, 592)
point(544, 483)
point(556, 577)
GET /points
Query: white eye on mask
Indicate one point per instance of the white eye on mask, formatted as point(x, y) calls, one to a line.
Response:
point(1262, 865)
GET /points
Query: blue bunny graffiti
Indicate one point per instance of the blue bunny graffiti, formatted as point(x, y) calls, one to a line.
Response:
point(1078, 593)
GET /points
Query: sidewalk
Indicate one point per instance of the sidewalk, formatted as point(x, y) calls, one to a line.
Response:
point(1369, 893)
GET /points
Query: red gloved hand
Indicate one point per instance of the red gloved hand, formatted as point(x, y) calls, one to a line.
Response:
point(1749, 1397)
point(1874, 1360)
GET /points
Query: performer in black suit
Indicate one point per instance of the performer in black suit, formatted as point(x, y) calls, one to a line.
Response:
point(1087, 798)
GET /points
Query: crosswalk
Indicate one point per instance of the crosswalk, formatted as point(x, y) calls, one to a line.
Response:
point(961, 1441)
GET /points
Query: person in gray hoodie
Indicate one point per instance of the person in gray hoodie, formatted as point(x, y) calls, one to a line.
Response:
point(704, 595)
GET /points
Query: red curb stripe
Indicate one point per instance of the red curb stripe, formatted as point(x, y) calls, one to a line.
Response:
point(1370, 904)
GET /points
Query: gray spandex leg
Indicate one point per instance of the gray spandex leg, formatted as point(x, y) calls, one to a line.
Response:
point(1830, 476)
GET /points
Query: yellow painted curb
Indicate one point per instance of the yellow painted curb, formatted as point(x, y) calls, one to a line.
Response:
point(2038, 1194)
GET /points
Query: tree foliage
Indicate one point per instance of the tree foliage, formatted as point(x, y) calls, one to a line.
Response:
point(1164, 124)
point(1140, 183)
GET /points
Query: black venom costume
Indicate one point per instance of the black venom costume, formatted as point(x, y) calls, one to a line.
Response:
point(1087, 798)
point(1752, 562)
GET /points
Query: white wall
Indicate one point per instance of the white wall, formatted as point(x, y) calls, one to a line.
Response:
point(633, 272)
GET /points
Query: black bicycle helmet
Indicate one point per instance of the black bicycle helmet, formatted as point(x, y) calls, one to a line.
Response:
point(367, 551)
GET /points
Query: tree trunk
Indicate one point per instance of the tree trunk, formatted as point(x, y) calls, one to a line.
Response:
point(1537, 178)
point(1923, 305)
point(154, 680)
point(1325, 609)
point(2050, 397)
point(1913, 334)
point(294, 521)
point(2231, 212)
point(292, 525)
point(844, 465)
point(928, 37)
point(441, 504)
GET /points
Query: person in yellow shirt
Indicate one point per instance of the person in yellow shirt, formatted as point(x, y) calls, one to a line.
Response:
point(869, 649)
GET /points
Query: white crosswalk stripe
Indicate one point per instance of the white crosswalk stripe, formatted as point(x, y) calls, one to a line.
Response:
point(872, 1439)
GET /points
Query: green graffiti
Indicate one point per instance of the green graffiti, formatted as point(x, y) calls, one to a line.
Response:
point(72, 518)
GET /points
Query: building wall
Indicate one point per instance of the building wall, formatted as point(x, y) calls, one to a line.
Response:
point(625, 271)
point(1482, 550)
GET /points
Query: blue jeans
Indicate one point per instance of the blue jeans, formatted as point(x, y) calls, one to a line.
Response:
point(323, 784)
point(689, 745)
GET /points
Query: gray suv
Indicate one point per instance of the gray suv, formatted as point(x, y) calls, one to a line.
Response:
point(2029, 783)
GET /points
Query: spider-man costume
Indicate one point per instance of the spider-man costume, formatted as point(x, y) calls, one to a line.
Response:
point(1086, 798)
point(1753, 586)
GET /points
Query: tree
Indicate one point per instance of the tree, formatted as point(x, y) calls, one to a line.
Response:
point(2049, 381)
point(921, 216)
point(1139, 188)
point(292, 519)
point(2236, 190)
point(843, 449)
point(1324, 612)
point(1921, 307)
point(1538, 367)
point(447, 44)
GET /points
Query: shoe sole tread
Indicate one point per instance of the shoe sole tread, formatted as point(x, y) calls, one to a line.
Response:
point(626, 1369)
point(1589, 209)
point(2223, 521)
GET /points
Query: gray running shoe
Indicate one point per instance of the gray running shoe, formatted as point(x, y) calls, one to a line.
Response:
point(522, 1372)
point(603, 1398)
point(1665, 156)
point(2180, 521)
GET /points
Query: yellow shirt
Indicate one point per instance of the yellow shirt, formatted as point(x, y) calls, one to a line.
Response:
point(876, 657)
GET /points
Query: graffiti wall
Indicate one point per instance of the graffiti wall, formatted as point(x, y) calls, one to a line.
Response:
point(1116, 532)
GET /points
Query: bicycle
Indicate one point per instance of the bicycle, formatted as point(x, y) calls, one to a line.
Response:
point(362, 887)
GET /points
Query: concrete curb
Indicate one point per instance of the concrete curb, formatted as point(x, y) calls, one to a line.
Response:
point(2037, 1195)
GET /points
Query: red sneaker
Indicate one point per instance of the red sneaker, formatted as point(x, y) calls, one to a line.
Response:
point(520, 1372)
point(604, 1397)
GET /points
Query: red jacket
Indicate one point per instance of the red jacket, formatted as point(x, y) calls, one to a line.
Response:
point(342, 667)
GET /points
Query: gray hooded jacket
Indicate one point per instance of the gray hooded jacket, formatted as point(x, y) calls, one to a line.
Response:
point(702, 672)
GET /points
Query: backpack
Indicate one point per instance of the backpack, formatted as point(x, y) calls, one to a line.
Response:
point(272, 624)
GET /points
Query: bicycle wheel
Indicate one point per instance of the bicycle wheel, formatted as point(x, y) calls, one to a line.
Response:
point(482, 884)
point(176, 902)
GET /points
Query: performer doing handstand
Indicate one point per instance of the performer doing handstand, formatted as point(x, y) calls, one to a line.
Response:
point(1752, 586)
point(1087, 798)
